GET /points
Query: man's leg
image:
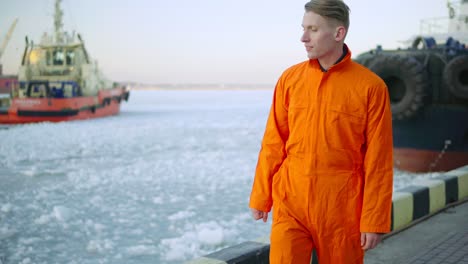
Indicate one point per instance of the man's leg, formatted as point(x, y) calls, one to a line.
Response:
point(291, 243)
point(342, 249)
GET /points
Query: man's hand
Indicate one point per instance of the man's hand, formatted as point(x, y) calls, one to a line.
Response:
point(257, 214)
point(370, 240)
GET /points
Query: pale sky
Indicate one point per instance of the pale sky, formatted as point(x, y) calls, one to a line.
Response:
point(204, 41)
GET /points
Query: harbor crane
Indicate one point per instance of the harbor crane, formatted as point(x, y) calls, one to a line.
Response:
point(6, 40)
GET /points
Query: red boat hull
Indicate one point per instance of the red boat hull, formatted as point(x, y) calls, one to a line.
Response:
point(416, 160)
point(33, 110)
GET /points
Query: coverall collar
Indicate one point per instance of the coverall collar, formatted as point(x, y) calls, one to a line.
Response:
point(345, 57)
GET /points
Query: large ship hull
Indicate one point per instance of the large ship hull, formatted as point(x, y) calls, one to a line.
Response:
point(428, 88)
point(419, 160)
point(33, 110)
point(436, 140)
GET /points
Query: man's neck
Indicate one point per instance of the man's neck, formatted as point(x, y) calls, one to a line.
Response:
point(335, 57)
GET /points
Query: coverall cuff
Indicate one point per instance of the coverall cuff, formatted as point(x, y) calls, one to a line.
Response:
point(375, 229)
point(261, 205)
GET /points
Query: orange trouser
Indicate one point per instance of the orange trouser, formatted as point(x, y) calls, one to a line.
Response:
point(293, 242)
point(325, 219)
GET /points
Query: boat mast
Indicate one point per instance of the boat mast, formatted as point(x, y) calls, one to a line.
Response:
point(58, 23)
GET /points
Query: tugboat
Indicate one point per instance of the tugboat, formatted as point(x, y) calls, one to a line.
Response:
point(428, 87)
point(58, 81)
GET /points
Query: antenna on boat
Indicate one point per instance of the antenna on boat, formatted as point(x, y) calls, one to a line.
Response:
point(25, 51)
point(58, 23)
point(451, 10)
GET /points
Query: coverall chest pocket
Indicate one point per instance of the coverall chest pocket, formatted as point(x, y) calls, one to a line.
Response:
point(297, 118)
point(345, 127)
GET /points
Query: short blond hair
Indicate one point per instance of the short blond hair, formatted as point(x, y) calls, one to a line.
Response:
point(335, 10)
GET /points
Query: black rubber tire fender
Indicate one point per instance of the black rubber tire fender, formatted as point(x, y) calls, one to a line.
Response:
point(365, 60)
point(456, 76)
point(407, 82)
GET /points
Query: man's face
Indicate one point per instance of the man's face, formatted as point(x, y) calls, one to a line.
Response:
point(318, 37)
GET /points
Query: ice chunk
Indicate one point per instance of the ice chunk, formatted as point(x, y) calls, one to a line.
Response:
point(99, 227)
point(98, 246)
point(62, 213)
point(142, 250)
point(29, 241)
point(6, 232)
point(175, 199)
point(43, 219)
point(29, 173)
point(181, 215)
point(177, 249)
point(6, 208)
point(94, 247)
point(200, 198)
point(26, 261)
point(211, 234)
point(157, 200)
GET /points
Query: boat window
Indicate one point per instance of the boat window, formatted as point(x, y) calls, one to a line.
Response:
point(38, 90)
point(68, 90)
point(34, 56)
point(48, 57)
point(58, 57)
point(70, 57)
point(56, 89)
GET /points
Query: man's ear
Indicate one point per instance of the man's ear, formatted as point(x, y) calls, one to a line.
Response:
point(340, 33)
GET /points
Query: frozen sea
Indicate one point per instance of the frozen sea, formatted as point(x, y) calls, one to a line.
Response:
point(165, 181)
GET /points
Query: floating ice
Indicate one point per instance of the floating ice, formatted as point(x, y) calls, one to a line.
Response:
point(99, 246)
point(6, 208)
point(29, 241)
point(43, 219)
point(99, 228)
point(6, 232)
point(26, 261)
point(62, 213)
point(142, 250)
point(210, 233)
point(181, 215)
point(200, 198)
point(174, 199)
point(29, 173)
point(157, 200)
point(177, 249)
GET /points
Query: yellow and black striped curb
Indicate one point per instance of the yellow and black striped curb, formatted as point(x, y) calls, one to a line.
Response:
point(429, 196)
point(409, 204)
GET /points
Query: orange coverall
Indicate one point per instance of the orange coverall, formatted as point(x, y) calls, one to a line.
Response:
point(326, 162)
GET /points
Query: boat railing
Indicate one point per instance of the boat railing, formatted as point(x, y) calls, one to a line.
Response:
point(435, 25)
point(454, 25)
point(54, 71)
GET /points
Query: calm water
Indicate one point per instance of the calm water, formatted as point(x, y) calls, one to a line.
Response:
point(165, 181)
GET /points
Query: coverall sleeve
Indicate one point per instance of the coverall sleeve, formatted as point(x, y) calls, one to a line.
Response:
point(378, 164)
point(272, 152)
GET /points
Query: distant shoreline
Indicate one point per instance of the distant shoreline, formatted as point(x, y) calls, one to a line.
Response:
point(201, 87)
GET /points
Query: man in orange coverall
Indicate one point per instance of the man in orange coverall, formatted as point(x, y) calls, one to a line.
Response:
point(325, 165)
